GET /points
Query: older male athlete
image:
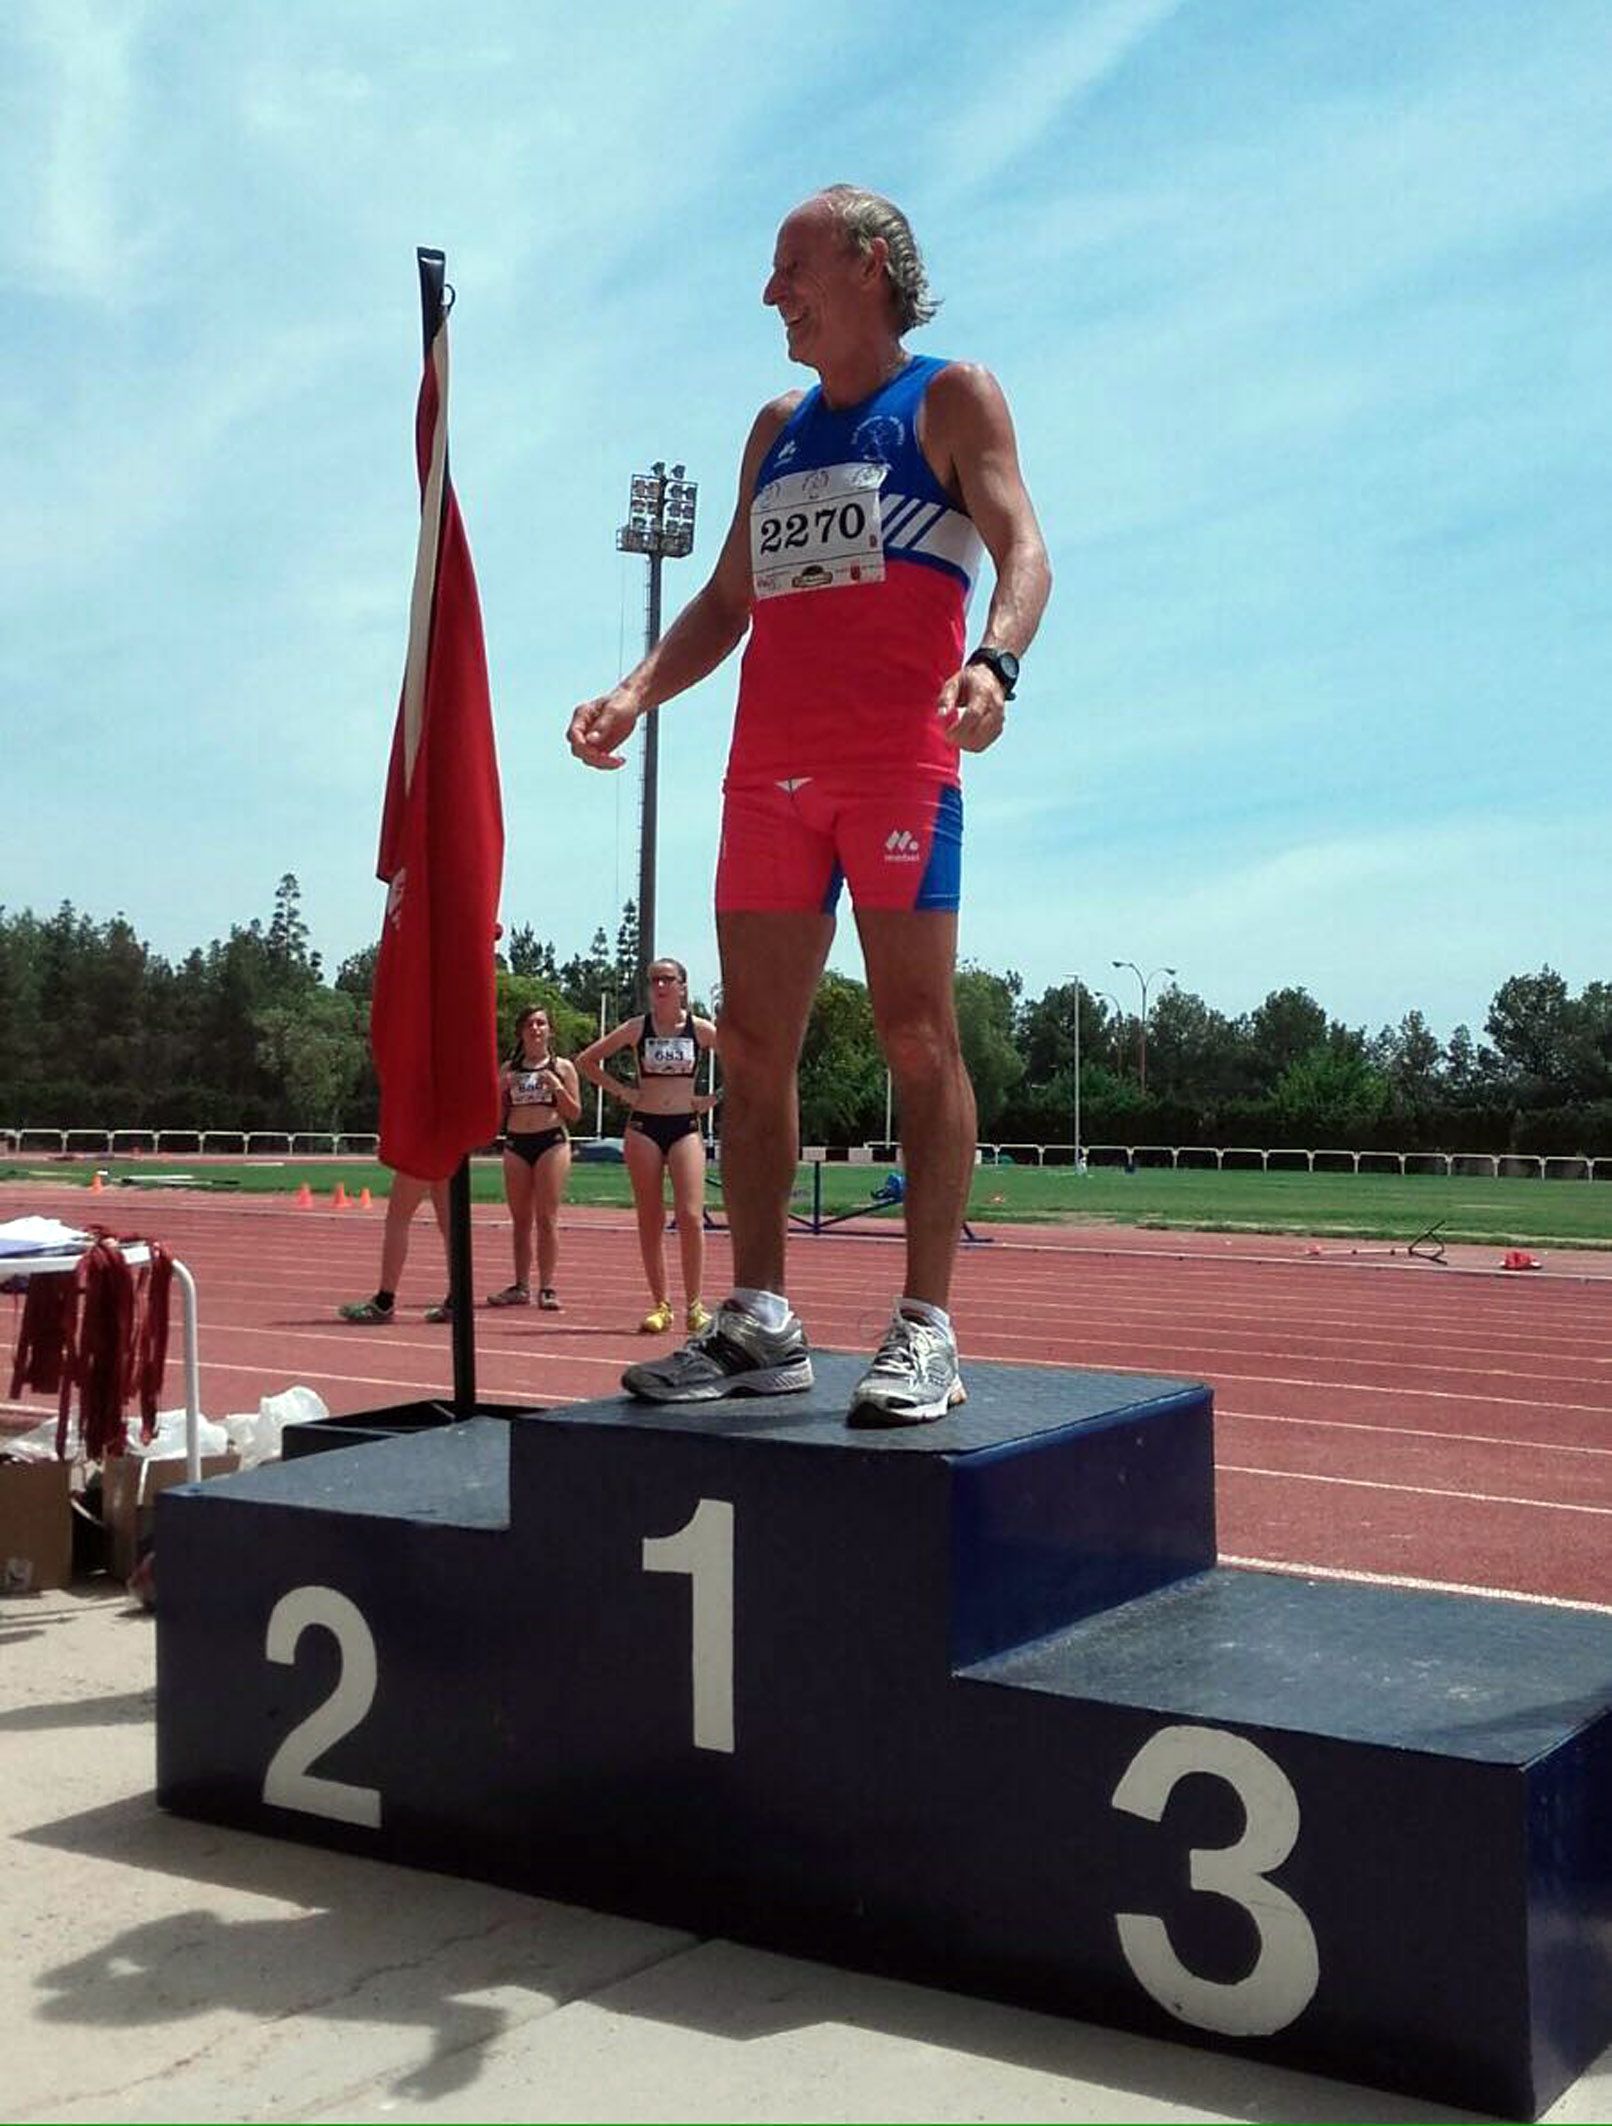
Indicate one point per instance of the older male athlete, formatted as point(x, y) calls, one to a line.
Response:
point(863, 506)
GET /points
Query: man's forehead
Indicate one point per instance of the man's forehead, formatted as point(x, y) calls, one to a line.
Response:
point(806, 224)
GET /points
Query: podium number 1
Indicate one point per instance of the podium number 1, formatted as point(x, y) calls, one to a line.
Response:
point(703, 1548)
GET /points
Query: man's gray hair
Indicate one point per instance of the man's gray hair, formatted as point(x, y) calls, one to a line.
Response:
point(865, 215)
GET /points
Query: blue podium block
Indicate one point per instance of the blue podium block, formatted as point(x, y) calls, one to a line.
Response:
point(1366, 1826)
point(971, 1703)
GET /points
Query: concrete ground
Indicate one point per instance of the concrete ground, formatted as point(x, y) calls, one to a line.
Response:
point(161, 1969)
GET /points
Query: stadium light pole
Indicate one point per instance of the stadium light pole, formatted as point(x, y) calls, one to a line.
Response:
point(660, 526)
point(1144, 979)
point(1076, 980)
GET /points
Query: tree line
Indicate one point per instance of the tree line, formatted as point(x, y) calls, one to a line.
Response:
point(97, 1031)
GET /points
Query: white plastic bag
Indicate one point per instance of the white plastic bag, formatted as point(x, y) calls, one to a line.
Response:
point(255, 1435)
point(167, 1442)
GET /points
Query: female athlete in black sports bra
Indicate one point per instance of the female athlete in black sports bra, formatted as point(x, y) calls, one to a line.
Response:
point(541, 1097)
point(663, 1133)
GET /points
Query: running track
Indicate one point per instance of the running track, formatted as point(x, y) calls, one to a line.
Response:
point(1376, 1416)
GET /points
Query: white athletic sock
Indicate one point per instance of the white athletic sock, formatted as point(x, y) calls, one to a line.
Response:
point(922, 1310)
point(771, 1309)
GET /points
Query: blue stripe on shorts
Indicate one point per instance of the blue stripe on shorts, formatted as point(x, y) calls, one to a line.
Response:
point(942, 883)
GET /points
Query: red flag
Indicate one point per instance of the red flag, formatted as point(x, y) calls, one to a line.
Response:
point(433, 1021)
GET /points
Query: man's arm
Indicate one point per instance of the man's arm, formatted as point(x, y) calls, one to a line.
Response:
point(968, 438)
point(707, 629)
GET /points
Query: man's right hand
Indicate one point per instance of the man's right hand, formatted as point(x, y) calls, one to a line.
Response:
point(599, 726)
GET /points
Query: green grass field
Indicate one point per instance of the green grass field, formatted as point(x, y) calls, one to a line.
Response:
point(1386, 1207)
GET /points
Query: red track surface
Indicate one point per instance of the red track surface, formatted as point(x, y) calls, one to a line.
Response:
point(1374, 1415)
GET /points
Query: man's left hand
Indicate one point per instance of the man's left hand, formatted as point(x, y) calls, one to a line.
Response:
point(971, 708)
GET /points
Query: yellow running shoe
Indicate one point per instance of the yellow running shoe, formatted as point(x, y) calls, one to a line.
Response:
point(658, 1320)
point(698, 1317)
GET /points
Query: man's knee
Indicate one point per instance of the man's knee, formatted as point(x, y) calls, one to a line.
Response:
point(922, 1048)
point(756, 1053)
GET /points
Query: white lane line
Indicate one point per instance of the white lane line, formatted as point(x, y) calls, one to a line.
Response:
point(1289, 1570)
point(1312, 1384)
point(416, 1392)
point(1421, 1491)
point(1455, 1439)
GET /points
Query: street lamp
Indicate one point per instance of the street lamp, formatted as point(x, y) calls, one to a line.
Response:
point(660, 525)
point(1144, 979)
point(1076, 980)
point(1097, 995)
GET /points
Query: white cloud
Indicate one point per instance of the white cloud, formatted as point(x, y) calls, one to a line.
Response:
point(1431, 913)
point(73, 226)
point(1048, 78)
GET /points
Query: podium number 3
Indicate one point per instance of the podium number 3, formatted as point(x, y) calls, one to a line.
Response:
point(288, 1783)
point(1287, 1969)
point(703, 1548)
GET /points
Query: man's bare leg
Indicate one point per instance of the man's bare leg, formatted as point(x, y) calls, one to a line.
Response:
point(771, 964)
point(911, 957)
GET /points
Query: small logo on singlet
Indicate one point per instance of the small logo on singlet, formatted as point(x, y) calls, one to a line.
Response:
point(785, 451)
point(879, 437)
point(902, 847)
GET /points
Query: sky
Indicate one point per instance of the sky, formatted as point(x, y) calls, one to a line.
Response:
point(1304, 314)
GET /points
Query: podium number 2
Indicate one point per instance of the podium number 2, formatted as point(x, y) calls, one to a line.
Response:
point(703, 1548)
point(288, 1783)
point(1287, 1969)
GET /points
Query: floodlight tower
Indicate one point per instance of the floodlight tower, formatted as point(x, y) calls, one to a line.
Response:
point(660, 525)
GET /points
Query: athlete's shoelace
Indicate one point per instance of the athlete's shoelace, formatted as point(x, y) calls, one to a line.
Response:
point(911, 1348)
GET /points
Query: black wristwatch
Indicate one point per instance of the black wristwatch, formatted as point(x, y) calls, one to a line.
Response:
point(1004, 664)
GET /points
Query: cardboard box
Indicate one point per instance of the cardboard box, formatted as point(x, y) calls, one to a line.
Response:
point(129, 1488)
point(36, 1527)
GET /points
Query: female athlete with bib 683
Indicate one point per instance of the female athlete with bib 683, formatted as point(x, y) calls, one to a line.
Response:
point(663, 1134)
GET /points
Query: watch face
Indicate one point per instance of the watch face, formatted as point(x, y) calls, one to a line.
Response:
point(1003, 663)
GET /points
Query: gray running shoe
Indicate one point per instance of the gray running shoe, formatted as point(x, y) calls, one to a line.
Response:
point(734, 1356)
point(913, 1378)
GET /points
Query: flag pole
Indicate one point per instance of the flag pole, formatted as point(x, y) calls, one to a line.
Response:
point(463, 1326)
point(436, 301)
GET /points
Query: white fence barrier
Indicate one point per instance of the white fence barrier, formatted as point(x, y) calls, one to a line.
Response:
point(1217, 1158)
point(191, 1143)
point(1277, 1159)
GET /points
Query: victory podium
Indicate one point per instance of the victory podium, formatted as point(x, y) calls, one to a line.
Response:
point(971, 1704)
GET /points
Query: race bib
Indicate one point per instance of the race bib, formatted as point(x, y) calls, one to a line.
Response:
point(530, 1088)
point(818, 530)
point(670, 1055)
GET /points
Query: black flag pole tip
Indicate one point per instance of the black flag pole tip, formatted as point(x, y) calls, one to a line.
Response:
point(436, 297)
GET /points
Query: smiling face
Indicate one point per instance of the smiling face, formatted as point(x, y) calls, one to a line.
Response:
point(534, 1032)
point(828, 293)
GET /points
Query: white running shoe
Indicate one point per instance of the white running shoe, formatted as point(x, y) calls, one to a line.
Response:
point(734, 1356)
point(913, 1378)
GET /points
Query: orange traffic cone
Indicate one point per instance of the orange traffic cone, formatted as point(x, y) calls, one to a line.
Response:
point(363, 1199)
point(304, 1198)
point(1518, 1259)
point(97, 1182)
point(338, 1196)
